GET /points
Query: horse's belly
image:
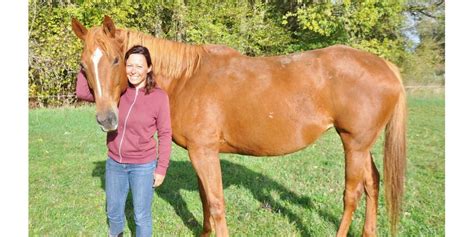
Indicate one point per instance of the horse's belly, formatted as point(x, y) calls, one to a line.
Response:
point(271, 138)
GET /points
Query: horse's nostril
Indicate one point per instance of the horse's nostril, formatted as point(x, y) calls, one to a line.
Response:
point(103, 119)
point(112, 118)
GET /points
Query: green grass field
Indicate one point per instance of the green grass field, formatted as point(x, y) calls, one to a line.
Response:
point(294, 195)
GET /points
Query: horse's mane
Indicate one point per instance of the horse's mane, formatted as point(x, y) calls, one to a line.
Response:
point(170, 59)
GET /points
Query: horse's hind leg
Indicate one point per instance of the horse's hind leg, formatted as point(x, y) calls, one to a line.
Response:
point(361, 175)
point(205, 160)
point(371, 187)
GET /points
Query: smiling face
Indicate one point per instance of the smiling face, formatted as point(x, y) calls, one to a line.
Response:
point(137, 69)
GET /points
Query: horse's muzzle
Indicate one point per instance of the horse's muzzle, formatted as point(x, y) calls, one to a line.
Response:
point(108, 121)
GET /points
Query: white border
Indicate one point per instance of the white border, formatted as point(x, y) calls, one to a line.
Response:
point(459, 118)
point(14, 118)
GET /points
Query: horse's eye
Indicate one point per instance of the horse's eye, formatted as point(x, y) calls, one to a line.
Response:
point(115, 60)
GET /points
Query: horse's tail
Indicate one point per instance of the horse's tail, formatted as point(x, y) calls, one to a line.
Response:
point(395, 156)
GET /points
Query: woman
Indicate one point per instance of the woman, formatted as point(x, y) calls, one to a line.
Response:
point(132, 162)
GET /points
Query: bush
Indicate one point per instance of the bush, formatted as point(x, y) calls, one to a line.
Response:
point(53, 54)
point(424, 66)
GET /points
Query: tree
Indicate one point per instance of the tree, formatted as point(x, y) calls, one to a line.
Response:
point(429, 53)
point(369, 25)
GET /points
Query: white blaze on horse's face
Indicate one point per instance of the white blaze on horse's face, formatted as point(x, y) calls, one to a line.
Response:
point(95, 59)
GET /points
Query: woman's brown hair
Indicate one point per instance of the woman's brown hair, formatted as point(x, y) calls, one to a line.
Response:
point(150, 83)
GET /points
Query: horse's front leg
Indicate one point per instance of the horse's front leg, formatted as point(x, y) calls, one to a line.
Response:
point(205, 160)
point(207, 224)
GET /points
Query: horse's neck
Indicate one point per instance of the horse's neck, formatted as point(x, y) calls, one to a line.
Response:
point(172, 61)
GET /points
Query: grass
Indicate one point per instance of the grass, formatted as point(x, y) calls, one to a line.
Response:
point(295, 195)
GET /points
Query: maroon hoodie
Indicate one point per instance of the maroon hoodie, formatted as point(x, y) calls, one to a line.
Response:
point(140, 116)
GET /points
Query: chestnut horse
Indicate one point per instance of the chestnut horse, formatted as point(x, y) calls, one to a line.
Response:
point(223, 101)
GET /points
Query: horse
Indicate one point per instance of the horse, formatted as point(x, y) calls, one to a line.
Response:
point(224, 102)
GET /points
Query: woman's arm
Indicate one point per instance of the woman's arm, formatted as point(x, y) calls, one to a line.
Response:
point(83, 92)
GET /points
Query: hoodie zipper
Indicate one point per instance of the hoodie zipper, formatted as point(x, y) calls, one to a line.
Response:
point(125, 124)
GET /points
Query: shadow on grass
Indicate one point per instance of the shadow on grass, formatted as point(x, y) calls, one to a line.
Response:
point(181, 175)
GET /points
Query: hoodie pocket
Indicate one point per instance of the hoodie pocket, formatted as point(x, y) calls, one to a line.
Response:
point(131, 146)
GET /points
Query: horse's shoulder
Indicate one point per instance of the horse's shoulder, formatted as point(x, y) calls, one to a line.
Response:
point(218, 49)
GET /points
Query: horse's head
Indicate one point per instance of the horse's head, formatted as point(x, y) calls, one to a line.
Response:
point(103, 61)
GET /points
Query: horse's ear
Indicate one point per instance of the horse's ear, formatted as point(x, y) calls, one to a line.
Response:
point(108, 26)
point(79, 29)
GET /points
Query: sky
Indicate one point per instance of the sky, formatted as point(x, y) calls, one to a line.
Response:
point(410, 32)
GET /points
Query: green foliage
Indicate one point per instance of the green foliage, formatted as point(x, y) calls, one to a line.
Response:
point(386, 48)
point(318, 18)
point(254, 28)
point(242, 26)
point(425, 65)
point(369, 25)
point(53, 53)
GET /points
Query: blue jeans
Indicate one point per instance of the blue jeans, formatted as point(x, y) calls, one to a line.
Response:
point(119, 178)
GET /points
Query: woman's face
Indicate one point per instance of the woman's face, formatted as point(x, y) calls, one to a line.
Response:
point(137, 70)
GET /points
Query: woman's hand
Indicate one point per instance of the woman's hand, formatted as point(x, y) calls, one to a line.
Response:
point(158, 180)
